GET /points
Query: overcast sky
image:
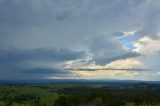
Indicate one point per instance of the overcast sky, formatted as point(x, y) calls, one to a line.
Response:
point(80, 39)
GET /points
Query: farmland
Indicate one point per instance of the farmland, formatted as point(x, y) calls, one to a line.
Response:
point(80, 94)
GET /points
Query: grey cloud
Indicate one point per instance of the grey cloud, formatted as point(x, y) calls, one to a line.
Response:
point(40, 12)
point(119, 69)
point(151, 26)
point(42, 54)
point(107, 59)
point(33, 73)
point(37, 12)
point(63, 16)
point(117, 34)
point(105, 49)
point(31, 24)
point(21, 64)
point(37, 73)
point(24, 21)
point(44, 71)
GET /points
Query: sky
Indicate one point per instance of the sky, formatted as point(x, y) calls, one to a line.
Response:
point(80, 39)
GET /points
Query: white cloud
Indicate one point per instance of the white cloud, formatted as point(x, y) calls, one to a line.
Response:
point(149, 49)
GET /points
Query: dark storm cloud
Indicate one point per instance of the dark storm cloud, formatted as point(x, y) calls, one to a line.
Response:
point(45, 71)
point(15, 63)
point(42, 54)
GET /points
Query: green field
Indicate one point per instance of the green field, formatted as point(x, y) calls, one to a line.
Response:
point(80, 95)
point(46, 97)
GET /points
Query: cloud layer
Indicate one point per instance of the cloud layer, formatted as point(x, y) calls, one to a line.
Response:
point(50, 35)
point(38, 63)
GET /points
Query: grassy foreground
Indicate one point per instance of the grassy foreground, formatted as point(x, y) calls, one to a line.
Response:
point(80, 94)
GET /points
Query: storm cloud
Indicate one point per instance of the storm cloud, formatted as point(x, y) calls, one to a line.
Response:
point(46, 35)
point(29, 62)
point(41, 54)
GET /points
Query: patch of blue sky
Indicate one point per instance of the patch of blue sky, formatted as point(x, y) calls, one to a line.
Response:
point(127, 41)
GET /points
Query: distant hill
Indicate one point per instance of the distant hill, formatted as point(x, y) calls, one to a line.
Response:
point(73, 81)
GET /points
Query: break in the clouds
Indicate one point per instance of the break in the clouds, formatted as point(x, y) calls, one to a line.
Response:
point(105, 49)
point(40, 38)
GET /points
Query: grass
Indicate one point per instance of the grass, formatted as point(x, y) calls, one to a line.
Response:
point(130, 104)
point(44, 94)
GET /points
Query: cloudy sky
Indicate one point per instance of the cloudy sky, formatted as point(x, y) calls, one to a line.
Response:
point(80, 39)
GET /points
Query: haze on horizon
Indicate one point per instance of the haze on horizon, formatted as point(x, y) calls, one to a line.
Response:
point(80, 39)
